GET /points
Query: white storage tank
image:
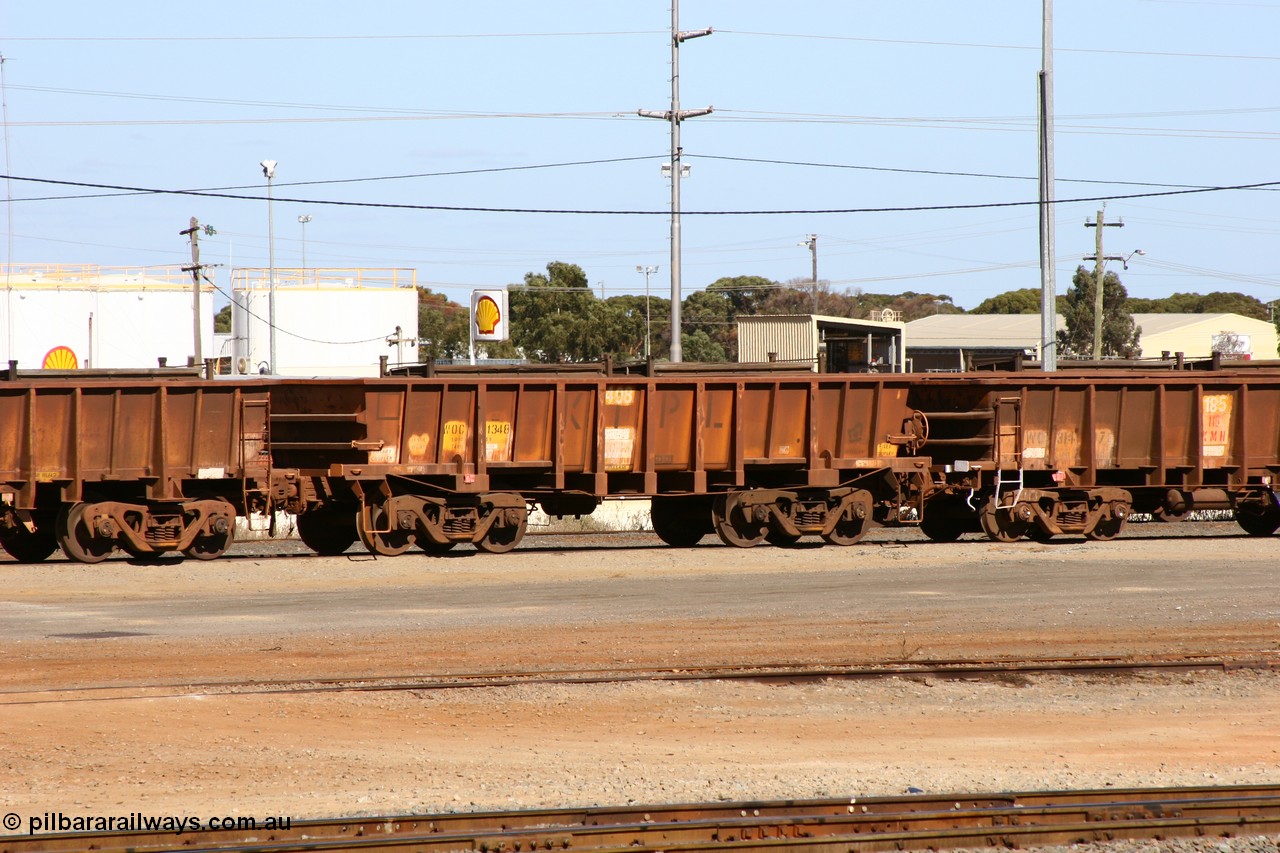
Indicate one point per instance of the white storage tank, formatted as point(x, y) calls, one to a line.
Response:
point(65, 316)
point(329, 322)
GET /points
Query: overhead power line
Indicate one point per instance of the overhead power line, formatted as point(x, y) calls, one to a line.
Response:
point(989, 46)
point(599, 212)
point(454, 173)
point(940, 172)
point(398, 37)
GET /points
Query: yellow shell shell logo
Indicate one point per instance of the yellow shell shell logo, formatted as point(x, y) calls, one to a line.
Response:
point(60, 358)
point(487, 315)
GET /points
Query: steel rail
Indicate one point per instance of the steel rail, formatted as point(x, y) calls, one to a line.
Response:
point(813, 826)
point(773, 673)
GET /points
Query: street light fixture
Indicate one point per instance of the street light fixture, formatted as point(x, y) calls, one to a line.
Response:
point(303, 220)
point(1099, 277)
point(1125, 259)
point(269, 172)
point(646, 271)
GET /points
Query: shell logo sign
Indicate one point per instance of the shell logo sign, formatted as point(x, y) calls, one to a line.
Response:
point(60, 358)
point(489, 315)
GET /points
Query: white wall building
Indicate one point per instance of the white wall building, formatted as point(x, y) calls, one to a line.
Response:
point(82, 315)
point(329, 322)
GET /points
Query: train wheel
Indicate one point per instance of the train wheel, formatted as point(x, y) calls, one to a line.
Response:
point(212, 546)
point(221, 534)
point(733, 529)
point(75, 538)
point(435, 549)
point(378, 539)
point(327, 532)
point(852, 525)
point(1000, 525)
point(1261, 522)
point(680, 524)
point(946, 519)
point(847, 532)
point(1105, 530)
point(27, 546)
point(941, 529)
point(1036, 533)
point(499, 539)
point(1109, 528)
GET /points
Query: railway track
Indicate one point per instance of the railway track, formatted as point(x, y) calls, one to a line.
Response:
point(774, 673)
point(914, 822)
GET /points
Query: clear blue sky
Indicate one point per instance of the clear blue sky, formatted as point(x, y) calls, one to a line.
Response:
point(881, 95)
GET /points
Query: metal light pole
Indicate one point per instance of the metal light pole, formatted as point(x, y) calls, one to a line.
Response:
point(646, 271)
point(303, 220)
point(1048, 286)
point(675, 115)
point(269, 171)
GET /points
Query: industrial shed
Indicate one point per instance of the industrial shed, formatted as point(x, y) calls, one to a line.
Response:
point(1199, 335)
point(833, 344)
point(946, 342)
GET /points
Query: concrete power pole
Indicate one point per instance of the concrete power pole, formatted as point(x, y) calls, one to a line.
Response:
point(675, 116)
point(1099, 271)
point(1048, 288)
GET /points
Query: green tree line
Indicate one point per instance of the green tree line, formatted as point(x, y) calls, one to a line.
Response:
point(556, 317)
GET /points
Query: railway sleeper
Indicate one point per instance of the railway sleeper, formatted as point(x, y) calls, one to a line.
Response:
point(782, 516)
point(89, 532)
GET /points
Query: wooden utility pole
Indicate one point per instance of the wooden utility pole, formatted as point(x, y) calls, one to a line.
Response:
point(1099, 271)
point(812, 243)
point(195, 269)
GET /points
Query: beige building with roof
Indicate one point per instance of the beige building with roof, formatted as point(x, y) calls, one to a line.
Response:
point(946, 341)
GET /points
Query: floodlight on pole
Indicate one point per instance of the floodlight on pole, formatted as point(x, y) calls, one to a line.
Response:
point(269, 172)
point(646, 271)
point(303, 220)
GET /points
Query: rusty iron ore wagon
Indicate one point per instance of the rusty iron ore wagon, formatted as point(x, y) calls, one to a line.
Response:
point(1024, 454)
point(153, 464)
point(146, 463)
point(156, 465)
point(403, 462)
